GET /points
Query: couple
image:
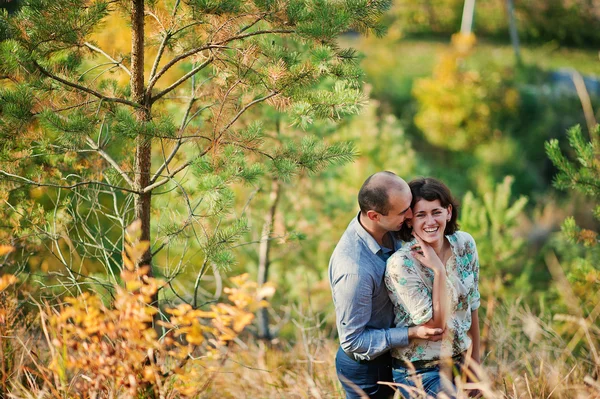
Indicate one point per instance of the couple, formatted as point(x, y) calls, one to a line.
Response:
point(406, 318)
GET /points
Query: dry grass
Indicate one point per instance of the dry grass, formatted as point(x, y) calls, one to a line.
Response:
point(527, 357)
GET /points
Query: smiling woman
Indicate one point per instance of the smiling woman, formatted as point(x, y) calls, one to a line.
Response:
point(433, 281)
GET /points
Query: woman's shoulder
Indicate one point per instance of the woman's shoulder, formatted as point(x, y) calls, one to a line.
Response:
point(403, 257)
point(462, 238)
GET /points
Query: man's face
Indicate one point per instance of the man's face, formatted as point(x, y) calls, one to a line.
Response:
point(399, 210)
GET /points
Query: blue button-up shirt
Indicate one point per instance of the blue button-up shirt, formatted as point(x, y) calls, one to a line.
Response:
point(364, 312)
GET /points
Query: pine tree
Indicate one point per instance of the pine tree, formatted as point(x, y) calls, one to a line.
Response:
point(578, 247)
point(581, 175)
point(107, 133)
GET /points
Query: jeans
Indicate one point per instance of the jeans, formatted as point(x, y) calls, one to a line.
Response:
point(364, 376)
point(427, 379)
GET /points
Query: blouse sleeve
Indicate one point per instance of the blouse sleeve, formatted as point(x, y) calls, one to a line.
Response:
point(406, 288)
point(474, 296)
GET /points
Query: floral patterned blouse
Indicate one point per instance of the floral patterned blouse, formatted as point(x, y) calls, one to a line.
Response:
point(410, 285)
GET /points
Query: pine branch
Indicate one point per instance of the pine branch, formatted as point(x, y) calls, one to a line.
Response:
point(185, 165)
point(257, 20)
point(250, 104)
point(99, 50)
point(163, 44)
point(176, 60)
point(172, 174)
point(83, 88)
point(179, 139)
point(78, 184)
point(110, 160)
point(180, 80)
point(167, 161)
point(217, 45)
point(75, 106)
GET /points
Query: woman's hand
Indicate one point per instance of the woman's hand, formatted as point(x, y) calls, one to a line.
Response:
point(425, 254)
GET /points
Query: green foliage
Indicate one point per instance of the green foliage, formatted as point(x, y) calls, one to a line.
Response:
point(217, 7)
point(493, 222)
point(579, 249)
point(583, 175)
point(177, 148)
point(56, 25)
point(70, 131)
point(537, 20)
point(126, 125)
point(459, 108)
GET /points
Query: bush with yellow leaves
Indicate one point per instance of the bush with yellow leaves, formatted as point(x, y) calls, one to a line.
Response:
point(9, 324)
point(100, 350)
point(460, 108)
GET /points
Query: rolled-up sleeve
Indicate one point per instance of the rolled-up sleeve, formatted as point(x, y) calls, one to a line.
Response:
point(408, 290)
point(352, 295)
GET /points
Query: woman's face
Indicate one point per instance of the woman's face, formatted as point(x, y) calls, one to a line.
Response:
point(430, 219)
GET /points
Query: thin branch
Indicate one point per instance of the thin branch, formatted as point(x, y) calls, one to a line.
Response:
point(182, 79)
point(224, 102)
point(84, 89)
point(163, 44)
point(175, 60)
point(167, 161)
point(76, 105)
point(153, 15)
point(170, 175)
point(110, 160)
point(237, 116)
point(181, 139)
point(195, 115)
point(197, 282)
point(245, 28)
point(99, 50)
point(206, 150)
point(211, 46)
point(82, 183)
point(112, 64)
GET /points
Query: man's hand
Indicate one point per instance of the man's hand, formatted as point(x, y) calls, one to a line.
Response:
point(424, 332)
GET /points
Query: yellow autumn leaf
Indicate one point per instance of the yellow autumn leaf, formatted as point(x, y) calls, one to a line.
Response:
point(239, 280)
point(266, 291)
point(7, 280)
point(134, 231)
point(6, 249)
point(127, 262)
point(241, 321)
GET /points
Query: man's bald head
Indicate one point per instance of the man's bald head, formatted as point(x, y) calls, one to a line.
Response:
point(375, 192)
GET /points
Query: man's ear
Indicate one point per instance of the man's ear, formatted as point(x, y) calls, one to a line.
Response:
point(372, 215)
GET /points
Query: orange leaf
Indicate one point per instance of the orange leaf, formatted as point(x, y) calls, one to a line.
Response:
point(6, 249)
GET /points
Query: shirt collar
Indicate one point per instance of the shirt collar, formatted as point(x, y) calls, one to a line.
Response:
point(369, 240)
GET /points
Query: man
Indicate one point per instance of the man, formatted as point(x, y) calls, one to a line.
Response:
point(364, 312)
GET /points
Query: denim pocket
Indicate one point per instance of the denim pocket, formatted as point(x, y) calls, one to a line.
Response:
point(400, 374)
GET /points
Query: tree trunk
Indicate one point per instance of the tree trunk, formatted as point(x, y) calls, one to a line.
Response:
point(512, 26)
point(466, 25)
point(263, 257)
point(143, 145)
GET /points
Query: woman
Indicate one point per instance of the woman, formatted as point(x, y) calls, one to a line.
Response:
point(433, 281)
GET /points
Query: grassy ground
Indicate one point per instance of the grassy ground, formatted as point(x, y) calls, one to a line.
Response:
point(526, 357)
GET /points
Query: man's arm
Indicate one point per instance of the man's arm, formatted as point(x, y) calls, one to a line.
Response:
point(353, 296)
